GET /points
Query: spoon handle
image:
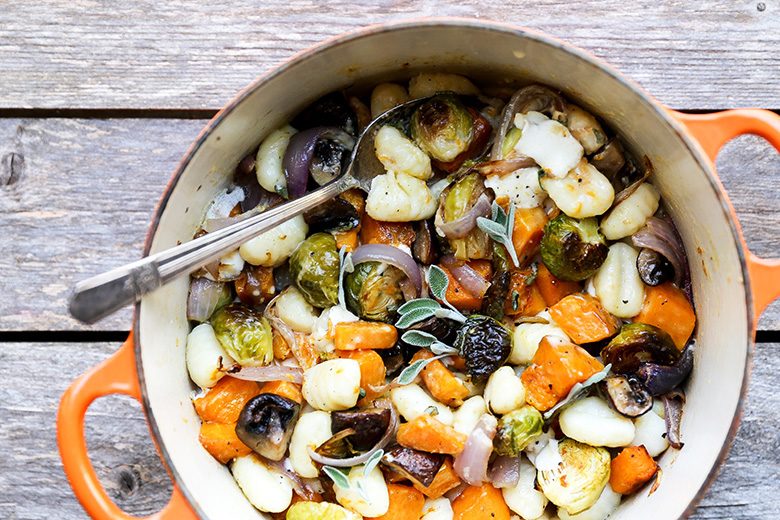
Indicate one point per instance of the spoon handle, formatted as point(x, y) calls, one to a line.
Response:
point(99, 296)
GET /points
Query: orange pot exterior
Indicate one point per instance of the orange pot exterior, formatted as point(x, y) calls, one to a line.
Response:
point(714, 130)
point(115, 375)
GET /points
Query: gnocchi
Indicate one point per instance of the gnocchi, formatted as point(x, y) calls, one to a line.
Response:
point(527, 336)
point(332, 385)
point(399, 154)
point(617, 283)
point(270, 173)
point(267, 490)
point(521, 187)
point(504, 391)
point(377, 500)
point(583, 193)
point(273, 247)
point(549, 143)
point(386, 96)
point(630, 216)
point(312, 429)
point(206, 359)
point(467, 416)
point(523, 498)
point(586, 129)
point(437, 509)
point(607, 504)
point(428, 84)
point(399, 197)
point(593, 422)
point(412, 401)
point(293, 309)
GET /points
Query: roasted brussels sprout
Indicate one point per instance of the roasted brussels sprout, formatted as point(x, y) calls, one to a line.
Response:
point(373, 291)
point(314, 267)
point(516, 430)
point(577, 483)
point(443, 127)
point(266, 424)
point(626, 395)
point(369, 425)
point(319, 511)
point(417, 466)
point(244, 334)
point(457, 204)
point(638, 343)
point(572, 249)
point(484, 344)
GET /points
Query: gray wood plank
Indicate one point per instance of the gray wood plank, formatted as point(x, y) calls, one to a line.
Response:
point(33, 485)
point(82, 193)
point(126, 54)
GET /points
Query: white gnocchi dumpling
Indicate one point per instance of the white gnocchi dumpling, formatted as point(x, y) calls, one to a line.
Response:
point(521, 187)
point(206, 359)
point(273, 247)
point(650, 433)
point(585, 128)
point(437, 509)
point(547, 142)
point(399, 154)
point(375, 488)
point(504, 391)
point(386, 96)
point(267, 490)
point(428, 84)
point(293, 309)
point(607, 504)
point(323, 331)
point(270, 173)
point(467, 416)
point(332, 385)
point(583, 192)
point(593, 422)
point(617, 283)
point(630, 216)
point(411, 401)
point(311, 430)
point(524, 499)
point(527, 336)
point(399, 197)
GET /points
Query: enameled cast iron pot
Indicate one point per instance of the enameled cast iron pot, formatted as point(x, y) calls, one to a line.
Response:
point(731, 286)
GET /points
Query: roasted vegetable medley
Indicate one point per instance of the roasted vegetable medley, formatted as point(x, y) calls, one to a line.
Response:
point(499, 328)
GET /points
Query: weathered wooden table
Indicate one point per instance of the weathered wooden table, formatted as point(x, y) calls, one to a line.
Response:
point(100, 99)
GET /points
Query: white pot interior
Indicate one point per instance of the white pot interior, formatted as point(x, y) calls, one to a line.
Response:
point(485, 52)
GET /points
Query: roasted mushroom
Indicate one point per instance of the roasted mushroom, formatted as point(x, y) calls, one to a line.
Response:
point(368, 425)
point(626, 395)
point(638, 343)
point(653, 267)
point(417, 466)
point(485, 345)
point(339, 446)
point(266, 424)
point(244, 333)
point(333, 215)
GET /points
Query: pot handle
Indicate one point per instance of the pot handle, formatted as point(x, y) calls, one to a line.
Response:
point(712, 131)
point(115, 375)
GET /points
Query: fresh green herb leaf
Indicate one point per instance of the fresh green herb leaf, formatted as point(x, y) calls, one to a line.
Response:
point(450, 314)
point(418, 338)
point(443, 349)
point(531, 278)
point(337, 476)
point(362, 393)
point(432, 411)
point(372, 461)
point(541, 175)
point(515, 300)
point(419, 303)
point(417, 315)
point(500, 228)
point(438, 281)
point(410, 373)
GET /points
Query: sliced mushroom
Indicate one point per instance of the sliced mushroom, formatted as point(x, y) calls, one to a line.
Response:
point(424, 247)
point(660, 379)
point(333, 215)
point(266, 424)
point(653, 267)
point(626, 395)
point(417, 466)
point(368, 425)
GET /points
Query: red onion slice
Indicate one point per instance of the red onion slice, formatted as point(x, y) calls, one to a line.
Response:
point(299, 153)
point(203, 298)
point(389, 435)
point(505, 471)
point(268, 373)
point(462, 226)
point(466, 276)
point(472, 463)
point(390, 255)
point(298, 485)
point(659, 235)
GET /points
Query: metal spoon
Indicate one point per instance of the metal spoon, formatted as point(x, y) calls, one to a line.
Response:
point(101, 295)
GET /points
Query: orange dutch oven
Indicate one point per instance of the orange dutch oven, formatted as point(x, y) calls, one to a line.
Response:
point(731, 286)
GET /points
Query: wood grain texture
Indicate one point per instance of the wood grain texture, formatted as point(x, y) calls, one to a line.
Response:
point(83, 192)
point(33, 485)
point(709, 54)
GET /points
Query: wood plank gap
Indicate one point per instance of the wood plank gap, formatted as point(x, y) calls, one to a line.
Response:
point(107, 113)
point(63, 336)
point(768, 336)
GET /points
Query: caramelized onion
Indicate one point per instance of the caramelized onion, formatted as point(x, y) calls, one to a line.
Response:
point(471, 464)
point(390, 255)
point(203, 298)
point(504, 471)
point(661, 236)
point(466, 276)
point(462, 226)
point(268, 373)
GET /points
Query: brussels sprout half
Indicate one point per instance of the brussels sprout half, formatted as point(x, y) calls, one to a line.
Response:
point(244, 334)
point(314, 267)
point(373, 291)
point(572, 249)
point(639, 343)
point(577, 483)
point(516, 430)
point(443, 127)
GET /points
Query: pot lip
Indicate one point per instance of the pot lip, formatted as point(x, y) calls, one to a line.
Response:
point(490, 26)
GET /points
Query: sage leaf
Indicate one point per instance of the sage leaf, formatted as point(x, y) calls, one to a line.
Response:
point(417, 315)
point(418, 338)
point(420, 303)
point(338, 478)
point(438, 281)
